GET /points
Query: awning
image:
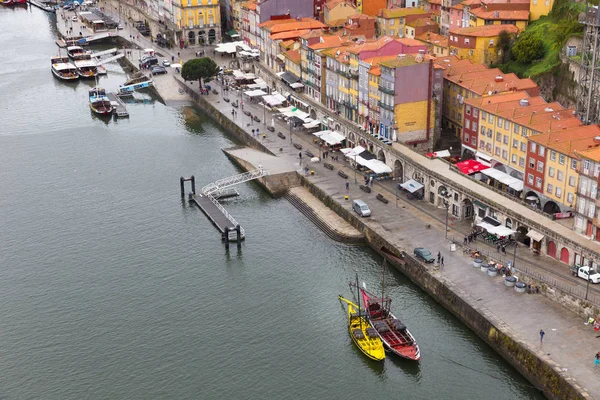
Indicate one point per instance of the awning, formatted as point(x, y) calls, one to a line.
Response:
point(378, 167)
point(296, 85)
point(439, 154)
point(332, 138)
point(492, 221)
point(271, 100)
point(254, 93)
point(535, 235)
point(280, 57)
point(483, 157)
point(232, 32)
point(486, 226)
point(312, 124)
point(504, 178)
point(469, 167)
point(479, 204)
point(290, 78)
point(502, 231)
point(411, 185)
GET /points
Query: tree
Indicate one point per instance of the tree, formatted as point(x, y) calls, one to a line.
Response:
point(199, 69)
point(504, 42)
point(528, 48)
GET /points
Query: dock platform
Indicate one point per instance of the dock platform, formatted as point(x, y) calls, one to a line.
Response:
point(119, 107)
point(216, 216)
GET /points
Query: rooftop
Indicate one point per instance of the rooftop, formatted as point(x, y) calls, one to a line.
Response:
point(485, 30)
point(570, 141)
point(250, 5)
point(334, 3)
point(490, 82)
point(404, 60)
point(289, 34)
point(505, 15)
point(434, 38)
point(327, 42)
point(293, 56)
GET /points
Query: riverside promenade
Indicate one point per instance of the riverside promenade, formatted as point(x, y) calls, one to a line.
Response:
point(569, 346)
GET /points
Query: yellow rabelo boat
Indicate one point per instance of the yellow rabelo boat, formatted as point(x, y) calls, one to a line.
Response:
point(362, 334)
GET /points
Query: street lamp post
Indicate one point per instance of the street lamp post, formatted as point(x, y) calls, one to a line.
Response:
point(450, 159)
point(355, 167)
point(447, 205)
point(515, 254)
point(587, 287)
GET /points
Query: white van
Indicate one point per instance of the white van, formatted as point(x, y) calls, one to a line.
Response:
point(361, 208)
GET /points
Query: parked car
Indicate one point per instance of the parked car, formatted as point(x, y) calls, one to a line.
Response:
point(120, 27)
point(424, 254)
point(588, 273)
point(74, 18)
point(361, 208)
point(157, 70)
point(166, 63)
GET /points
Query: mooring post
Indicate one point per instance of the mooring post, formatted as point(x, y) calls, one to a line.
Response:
point(193, 179)
point(182, 184)
point(226, 237)
point(238, 229)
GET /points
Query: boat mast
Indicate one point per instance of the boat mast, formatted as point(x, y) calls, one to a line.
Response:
point(358, 296)
point(382, 283)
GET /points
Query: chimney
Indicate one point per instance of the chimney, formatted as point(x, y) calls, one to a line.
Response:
point(499, 78)
point(524, 102)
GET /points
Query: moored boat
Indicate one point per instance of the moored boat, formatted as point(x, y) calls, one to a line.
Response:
point(393, 333)
point(99, 102)
point(63, 69)
point(86, 68)
point(363, 335)
point(77, 53)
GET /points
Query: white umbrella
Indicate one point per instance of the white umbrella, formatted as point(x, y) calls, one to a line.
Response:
point(175, 65)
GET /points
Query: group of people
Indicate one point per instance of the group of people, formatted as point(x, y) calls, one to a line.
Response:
point(369, 180)
point(471, 237)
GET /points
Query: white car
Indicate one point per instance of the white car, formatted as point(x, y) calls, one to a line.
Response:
point(588, 274)
point(74, 18)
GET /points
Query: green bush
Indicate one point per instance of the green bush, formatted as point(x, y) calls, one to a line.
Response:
point(528, 48)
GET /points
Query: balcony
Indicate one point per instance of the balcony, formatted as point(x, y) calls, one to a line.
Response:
point(386, 90)
point(350, 105)
point(385, 106)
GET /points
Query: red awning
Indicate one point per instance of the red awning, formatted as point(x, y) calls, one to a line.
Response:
point(469, 167)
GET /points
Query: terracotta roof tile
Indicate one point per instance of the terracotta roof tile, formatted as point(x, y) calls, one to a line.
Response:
point(485, 30)
point(289, 34)
point(505, 15)
point(293, 55)
point(434, 38)
point(327, 42)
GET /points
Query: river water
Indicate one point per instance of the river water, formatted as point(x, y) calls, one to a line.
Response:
point(111, 287)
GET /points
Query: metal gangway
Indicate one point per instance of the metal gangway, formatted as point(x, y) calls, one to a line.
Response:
point(208, 203)
point(98, 36)
point(109, 59)
point(104, 52)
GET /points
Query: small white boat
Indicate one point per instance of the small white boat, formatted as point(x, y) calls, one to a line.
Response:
point(63, 69)
point(77, 53)
point(86, 68)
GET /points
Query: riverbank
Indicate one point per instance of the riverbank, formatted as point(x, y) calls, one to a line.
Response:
point(509, 322)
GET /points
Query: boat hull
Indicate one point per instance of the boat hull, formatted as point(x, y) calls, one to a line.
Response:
point(65, 77)
point(397, 341)
point(368, 342)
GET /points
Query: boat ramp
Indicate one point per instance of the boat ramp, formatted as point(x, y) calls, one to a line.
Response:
point(118, 106)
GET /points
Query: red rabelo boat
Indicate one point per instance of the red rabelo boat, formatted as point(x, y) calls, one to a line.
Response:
point(393, 333)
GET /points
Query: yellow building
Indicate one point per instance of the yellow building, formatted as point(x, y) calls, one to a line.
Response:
point(539, 8)
point(392, 22)
point(335, 10)
point(292, 62)
point(436, 44)
point(199, 21)
point(481, 17)
point(479, 43)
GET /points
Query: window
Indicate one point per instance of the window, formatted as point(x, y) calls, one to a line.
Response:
point(558, 192)
point(500, 122)
point(483, 115)
point(498, 151)
point(476, 112)
point(541, 151)
point(551, 172)
point(561, 159)
point(538, 183)
point(498, 137)
point(531, 163)
point(572, 181)
point(506, 124)
point(459, 117)
point(468, 109)
point(467, 138)
point(516, 128)
point(505, 154)
point(523, 147)
point(515, 143)
point(490, 118)
point(474, 127)
point(540, 166)
point(467, 124)
point(467, 41)
point(491, 42)
point(549, 188)
point(570, 198)
point(521, 162)
point(591, 210)
point(553, 155)
point(560, 176)
point(391, 21)
point(483, 130)
point(532, 147)
point(514, 159)
point(481, 144)
point(524, 132)
point(573, 164)
point(505, 139)
point(530, 179)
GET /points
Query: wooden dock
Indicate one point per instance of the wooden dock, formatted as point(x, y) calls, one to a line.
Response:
point(119, 107)
point(216, 216)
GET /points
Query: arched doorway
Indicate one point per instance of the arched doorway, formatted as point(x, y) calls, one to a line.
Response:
point(201, 37)
point(381, 156)
point(551, 207)
point(337, 127)
point(552, 249)
point(192, 37)
point(564, 255)
point(212, 36)
point(508, 223)
point(467, 209)
point(313, 114)
point(443, 194)
point(533, 199)
point(398, 171)
point(363, 143)
point(522, 235)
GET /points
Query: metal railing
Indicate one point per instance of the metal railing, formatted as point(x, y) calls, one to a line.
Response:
point(225, 183)
point(226, 214)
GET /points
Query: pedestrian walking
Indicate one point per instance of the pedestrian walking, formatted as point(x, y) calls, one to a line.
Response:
point(498, 248)
point(442, 262)
point(347, 186)
point(371, 181)
point(503, 249)
point(597, 360)
point(172, 57)
point(439, 256)
point(257, 134)
point(542, 333)
point(300, 156)
point(465, 241)
point(252, 132)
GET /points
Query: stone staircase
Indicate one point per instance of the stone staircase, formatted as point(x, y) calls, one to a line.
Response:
point(331, 232)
